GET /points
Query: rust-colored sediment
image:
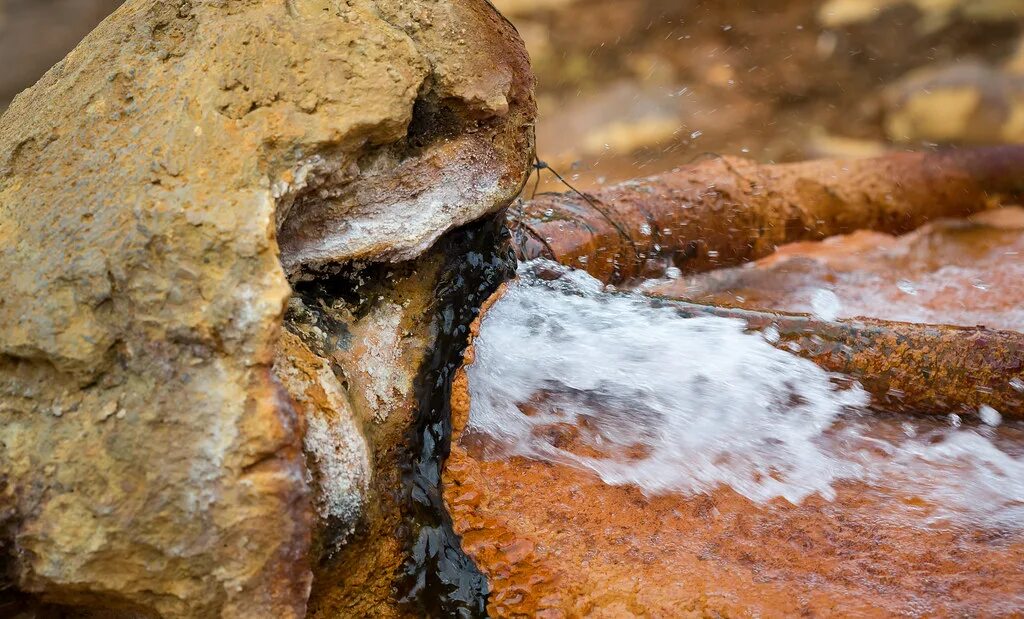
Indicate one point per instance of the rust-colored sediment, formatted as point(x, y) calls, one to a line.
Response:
point(558, 542)
point(905, 367)
point(555, 541)
point(963, 269)
point(728, 211)
point(964, 272)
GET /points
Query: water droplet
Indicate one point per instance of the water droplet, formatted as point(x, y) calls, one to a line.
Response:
point(990, 416)
point(980, 285)
point(696, 134)
point(825, 305)
point(906, 287)
point(1017, 384)
point(673, 273)
point(549, 212)
point(954, 420)
point(645, 230)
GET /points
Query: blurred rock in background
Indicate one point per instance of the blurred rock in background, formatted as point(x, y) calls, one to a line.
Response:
point(634, 87)
point(35, 34)
point(964, 102)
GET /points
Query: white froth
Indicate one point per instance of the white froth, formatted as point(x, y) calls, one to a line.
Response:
point(672, 404)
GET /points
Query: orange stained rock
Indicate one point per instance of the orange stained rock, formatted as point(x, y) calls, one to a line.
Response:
point(556, 541)
point(729, 211)
point(968, 273)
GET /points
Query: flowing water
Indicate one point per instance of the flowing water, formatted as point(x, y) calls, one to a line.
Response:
point(961, 272)
point(569, 373)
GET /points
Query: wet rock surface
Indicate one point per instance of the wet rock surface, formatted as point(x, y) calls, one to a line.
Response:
point(150, 186)
point(960, 272)
point(917, 535)
point(582, 547)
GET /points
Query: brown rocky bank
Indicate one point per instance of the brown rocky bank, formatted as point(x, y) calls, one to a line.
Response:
point(160, 189)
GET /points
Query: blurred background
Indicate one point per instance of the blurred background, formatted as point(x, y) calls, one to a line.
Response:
point(633, 87)
point(35, 34)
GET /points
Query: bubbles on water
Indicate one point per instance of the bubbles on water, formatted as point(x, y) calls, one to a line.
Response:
point(825, 305)
point(698, 401)
point(626, 387)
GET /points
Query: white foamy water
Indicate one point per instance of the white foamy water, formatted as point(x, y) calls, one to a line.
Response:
point(568, 373)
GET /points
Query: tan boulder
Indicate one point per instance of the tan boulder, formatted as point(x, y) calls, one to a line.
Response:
point(151, 460)
point(968, 103)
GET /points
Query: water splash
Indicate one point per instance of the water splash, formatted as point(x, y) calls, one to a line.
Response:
point(569, 373)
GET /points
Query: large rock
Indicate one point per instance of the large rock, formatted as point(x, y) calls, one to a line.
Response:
point(151, 460)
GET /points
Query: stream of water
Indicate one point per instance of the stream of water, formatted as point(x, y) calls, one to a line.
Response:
point(570, 373)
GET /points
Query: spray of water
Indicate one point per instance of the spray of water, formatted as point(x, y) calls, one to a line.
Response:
point(569, 373)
